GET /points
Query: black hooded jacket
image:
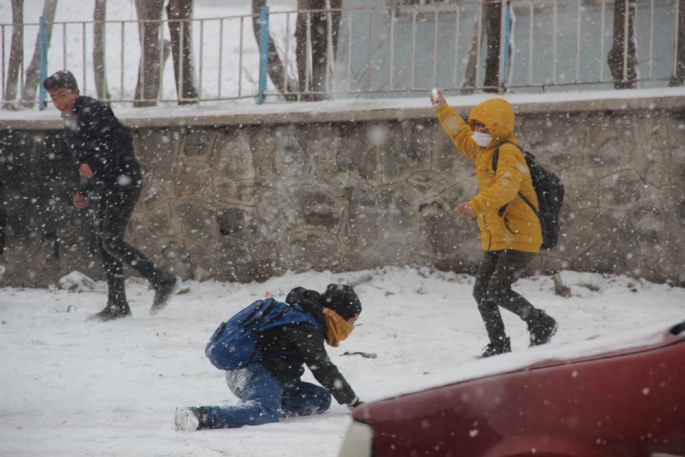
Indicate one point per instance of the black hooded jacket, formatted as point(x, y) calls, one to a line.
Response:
point(286, 349)
point(96, 137)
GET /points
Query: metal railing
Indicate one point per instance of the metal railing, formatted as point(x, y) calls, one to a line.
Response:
point(382, 51)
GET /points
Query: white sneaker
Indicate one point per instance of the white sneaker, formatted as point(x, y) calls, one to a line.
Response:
point(186, 419)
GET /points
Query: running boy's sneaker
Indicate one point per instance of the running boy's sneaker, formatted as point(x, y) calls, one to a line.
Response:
point(164, 289)
point(111, 312)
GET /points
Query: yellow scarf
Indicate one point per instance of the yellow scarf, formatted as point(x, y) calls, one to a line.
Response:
point(338, 328)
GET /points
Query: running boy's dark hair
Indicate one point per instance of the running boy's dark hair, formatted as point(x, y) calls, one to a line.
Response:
point(61, 79)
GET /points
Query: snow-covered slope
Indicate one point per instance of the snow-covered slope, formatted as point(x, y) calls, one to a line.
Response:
point(68, 387)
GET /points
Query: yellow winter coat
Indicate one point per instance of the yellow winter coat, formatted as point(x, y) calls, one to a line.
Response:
point(518, 228)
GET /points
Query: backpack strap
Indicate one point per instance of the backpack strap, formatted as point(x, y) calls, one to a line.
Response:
point(276, 318)
point(269, 304)
point(495, 159)
point(279, 315)
point(272, 304)
point(263, 308)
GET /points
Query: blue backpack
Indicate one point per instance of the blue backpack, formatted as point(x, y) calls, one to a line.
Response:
point(234, 343)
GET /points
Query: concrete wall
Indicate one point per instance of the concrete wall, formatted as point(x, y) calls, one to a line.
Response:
point(245, 196)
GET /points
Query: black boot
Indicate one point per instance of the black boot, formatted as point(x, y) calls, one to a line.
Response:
point(111, 312)
point(497, 347)
point(165, 287)
point(542, 328)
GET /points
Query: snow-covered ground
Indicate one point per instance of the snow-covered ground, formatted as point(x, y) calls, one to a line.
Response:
point(70, 387)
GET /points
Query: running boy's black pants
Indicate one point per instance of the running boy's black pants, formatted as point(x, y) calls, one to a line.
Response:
point(498, 271)
point(114, 212)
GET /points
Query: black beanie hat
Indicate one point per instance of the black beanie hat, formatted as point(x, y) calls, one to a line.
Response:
point(343, 300)
point(61, 79)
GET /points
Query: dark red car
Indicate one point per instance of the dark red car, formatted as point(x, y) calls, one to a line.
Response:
point(602, 397)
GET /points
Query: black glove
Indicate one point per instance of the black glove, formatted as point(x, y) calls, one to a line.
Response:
point(354, 403)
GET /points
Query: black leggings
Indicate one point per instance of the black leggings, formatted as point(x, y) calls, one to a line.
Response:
point(497, 272)
point(114, 212)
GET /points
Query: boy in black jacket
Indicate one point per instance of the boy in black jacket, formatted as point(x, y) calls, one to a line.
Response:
point(110, 174)
point(271, 387)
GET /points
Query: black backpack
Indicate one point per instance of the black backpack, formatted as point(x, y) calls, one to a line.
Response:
point(550, 192)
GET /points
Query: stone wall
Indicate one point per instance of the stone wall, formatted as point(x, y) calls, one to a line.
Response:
point(244, 198)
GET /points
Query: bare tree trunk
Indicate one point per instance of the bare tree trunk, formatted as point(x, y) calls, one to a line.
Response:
point(474, 50)
point(679, 71)
point(336, 19)
point(99, 69)
point(149, 69)
point(16, 56)
point(276, 70)
point(318, 36)
point(492, 14)
point(179, 13)
point(28, 94)
point(624, 36)
point(301, 44)
point(166, 51)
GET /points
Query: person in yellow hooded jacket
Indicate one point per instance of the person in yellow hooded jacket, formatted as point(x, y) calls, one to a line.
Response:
point(510, 230)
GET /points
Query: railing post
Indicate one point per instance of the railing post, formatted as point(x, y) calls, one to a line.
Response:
point(504, 74)
point(263, 53)
point(42, 93)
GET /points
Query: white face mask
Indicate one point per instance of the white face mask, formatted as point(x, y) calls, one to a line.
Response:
point(482, 139)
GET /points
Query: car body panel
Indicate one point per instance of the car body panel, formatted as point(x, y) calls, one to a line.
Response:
point(625, 402)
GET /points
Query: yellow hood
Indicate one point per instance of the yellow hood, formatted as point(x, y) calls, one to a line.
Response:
point(497, 115)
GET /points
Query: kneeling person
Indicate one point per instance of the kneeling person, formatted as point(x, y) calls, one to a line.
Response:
point(270, 387)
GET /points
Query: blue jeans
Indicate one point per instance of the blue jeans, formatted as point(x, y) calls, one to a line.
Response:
point(265, 399)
